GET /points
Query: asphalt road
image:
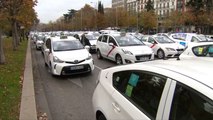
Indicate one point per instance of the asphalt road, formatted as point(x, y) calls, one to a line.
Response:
point(65, 98)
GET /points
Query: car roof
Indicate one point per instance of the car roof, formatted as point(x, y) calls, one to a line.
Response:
point(63, 38)
point(198, 70)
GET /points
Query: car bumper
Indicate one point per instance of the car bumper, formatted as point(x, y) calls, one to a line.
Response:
point(138, 58)
point(71, 69)
point(173, 53)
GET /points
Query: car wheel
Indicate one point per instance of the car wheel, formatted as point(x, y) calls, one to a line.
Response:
point(118, 59)
point(99, 56)
point(101, 117)
point(160, 54)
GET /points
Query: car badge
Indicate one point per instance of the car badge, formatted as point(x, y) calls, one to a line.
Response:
point(75, 61)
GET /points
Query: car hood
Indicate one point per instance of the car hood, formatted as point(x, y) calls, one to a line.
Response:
point(138, 49)
point(172, 45)
point(72, 55)
point(93, 42)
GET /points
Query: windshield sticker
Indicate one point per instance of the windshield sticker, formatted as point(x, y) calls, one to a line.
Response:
point(200, 50)
point(129, 89)
point(133, 79)
point(210, 49)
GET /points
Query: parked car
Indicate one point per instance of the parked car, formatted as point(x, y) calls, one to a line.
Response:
point(200, 51)
point(155, 90)
point(187, 38)
point(67, 56)
point(163, 47)
point(89, 40)
point(123, 49)
point(39, 42)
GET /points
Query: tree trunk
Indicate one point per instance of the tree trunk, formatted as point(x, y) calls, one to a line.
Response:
point(14, 35)
point(2, 57)
point(17, 34)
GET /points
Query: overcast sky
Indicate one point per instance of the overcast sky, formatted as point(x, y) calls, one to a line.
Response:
point(50, 10)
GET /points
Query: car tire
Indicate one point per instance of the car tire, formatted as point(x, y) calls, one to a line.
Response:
point(118, 60)
point(101, 117)
point(99, 56)
point(161, 54)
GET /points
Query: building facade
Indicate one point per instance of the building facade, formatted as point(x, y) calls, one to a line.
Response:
point(119, 4)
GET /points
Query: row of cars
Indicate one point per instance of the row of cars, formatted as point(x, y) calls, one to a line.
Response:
point(173, 89)
point(176, 89)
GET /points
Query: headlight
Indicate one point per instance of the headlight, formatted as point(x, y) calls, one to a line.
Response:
point(89, 57)
point(127, 52)
point(170, 49)
point(56, 59)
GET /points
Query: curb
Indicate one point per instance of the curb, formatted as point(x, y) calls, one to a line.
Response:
point(28, 104)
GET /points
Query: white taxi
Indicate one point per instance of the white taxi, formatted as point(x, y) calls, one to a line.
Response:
point(199, 51)
point(155, 90)
point(67, 56)
point(123, 49)
point(163, 47)
point(187, 38)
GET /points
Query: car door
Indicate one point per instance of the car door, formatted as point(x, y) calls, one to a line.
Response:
point(187, 103)
point(138, 95)
point(47, 50)
point(153, 44)
point(104, 45)
point(111, 48)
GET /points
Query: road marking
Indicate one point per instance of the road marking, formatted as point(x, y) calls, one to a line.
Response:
point(76, 81)
point(98, 67)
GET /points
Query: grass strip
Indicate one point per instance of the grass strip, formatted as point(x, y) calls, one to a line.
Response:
point(11, 74)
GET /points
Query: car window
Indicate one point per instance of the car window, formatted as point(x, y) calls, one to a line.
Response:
point(128, 41)
point(189, 104)
point(203, 51)
point(100, 38)
point(194, 39)
point(163, 39)
point(111, 40)
point(104, 38)
point(67, 45)
point(48, 44)
point(151, 40)
point(141, 88)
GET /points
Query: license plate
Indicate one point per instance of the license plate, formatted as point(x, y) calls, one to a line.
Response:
point(144, 58)
point(76, 67)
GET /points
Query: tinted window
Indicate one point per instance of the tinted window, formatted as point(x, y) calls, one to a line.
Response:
point(141, 88)
point(48, 44)
point(104, 38)
point(100, 38)
point(111, 40)
point(188, 104)
point(203, 51)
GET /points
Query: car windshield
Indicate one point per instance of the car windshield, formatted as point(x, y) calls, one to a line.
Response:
point(163, 39)
point(90, 37)
point(203, 51)
point(128, 41)
point(40, 38)
point(67, 45)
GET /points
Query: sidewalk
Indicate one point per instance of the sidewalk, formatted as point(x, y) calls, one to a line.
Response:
point(28, 105)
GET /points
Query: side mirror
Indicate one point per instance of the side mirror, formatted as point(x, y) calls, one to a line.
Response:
point(87, 47)
point(111, 44)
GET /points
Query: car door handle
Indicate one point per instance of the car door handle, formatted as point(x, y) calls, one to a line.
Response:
point(116, 107)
